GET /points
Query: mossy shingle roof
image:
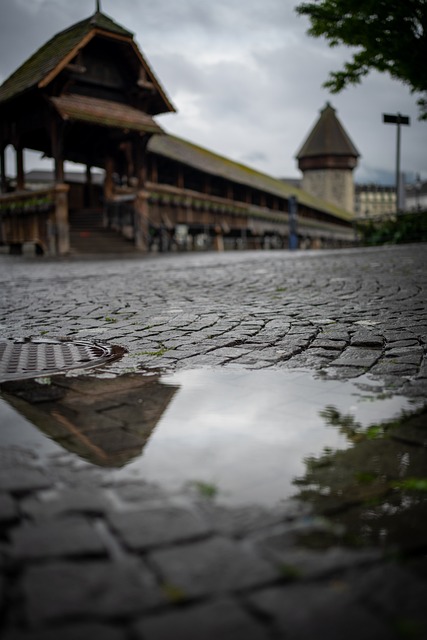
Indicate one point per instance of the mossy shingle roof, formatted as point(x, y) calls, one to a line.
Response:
point(104, 113)
point(204, 160)
point(328, 137)
point(46, 59)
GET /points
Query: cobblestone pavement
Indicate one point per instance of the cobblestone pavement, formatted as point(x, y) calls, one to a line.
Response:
point(83, 557)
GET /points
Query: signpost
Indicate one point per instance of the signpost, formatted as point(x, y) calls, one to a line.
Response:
point(398, 120)
point(293, 229)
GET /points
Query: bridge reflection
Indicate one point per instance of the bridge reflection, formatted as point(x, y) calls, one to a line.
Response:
point(105, 421)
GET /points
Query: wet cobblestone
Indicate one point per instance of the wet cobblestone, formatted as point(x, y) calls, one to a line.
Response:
point(82, 556)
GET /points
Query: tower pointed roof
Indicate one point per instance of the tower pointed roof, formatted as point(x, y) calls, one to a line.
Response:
point(328, 138)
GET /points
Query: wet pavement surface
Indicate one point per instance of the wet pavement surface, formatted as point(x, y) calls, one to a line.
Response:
point(254, 466)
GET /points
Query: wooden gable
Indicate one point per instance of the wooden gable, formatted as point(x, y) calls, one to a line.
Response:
point(94, 57)
point(81, 96)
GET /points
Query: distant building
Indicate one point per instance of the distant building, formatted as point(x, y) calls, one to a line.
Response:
point(372, 200)
point(416, 196)
point(327, 160)
point(293, 182)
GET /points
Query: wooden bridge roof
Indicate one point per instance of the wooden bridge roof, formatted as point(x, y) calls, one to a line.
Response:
point(104, 113)
point(53, 56)
point(209, 162)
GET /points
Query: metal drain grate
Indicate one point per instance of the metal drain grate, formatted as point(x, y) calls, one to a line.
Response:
point(32, 358)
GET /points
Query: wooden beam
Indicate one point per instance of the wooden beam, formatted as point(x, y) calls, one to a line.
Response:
point(3, 181)
point(108, 182)
point(180, 177)
point(88, 187)
point(140, 154)
point(154, 177)
point(57, 142)
point(20, 179)
point(76, 68)
point(66, 60)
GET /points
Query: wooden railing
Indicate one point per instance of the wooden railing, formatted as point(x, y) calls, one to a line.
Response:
point(37, 217)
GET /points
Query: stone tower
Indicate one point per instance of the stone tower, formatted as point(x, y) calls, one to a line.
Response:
point(327, 159)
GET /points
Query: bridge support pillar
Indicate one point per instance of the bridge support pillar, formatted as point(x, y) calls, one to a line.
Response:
point(218, 240)
point(141, 220)
point(61, 245)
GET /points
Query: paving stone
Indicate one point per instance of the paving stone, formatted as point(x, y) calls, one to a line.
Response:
point(309, 563)
point(218, 620)
point(8, 508)
point(229, 353)
point(139, 492)
point(82, 631)
point(415, 388)
point(366, 339)
point(73, 536)
point(33, 392)
point(422, 372)
point(396, 593)
point(397, 335)
point(406, 354)
point(343, 373)
point(103, 590)
point(400, 344)
point(387, 367)
point(213, 566)
point(324, 343)
point(113, 441)
point(303, 612)
point(67, 501)
point(238, 521)
point(334, 334)
point(357, 357)
point(151, 527)
point(325, 354)
point(23, 480)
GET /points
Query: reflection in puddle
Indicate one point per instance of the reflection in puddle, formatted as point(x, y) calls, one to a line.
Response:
point(105, 421)
point(376, 489)
point(244, 437)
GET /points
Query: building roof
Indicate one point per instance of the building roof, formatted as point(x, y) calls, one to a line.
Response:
point(104, 113)
point(328, 138)
point(43, 65)
point(211, 163)
point(204, 160)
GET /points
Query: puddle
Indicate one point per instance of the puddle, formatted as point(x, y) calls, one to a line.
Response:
point(244, 437)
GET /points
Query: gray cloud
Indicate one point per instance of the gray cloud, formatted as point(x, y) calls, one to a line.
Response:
point(245, 77)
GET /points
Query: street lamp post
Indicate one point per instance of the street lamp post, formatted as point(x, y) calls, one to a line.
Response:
point(398, 120)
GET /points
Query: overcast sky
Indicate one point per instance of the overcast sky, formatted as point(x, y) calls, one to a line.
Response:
point(243, 75)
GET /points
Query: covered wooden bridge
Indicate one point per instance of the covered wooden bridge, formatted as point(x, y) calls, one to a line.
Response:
point(89, 96)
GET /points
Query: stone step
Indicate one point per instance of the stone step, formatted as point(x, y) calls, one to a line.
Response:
point(86, 219)
point(98, 241)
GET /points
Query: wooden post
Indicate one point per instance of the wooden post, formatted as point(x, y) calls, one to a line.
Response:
point(180, 178)
point(141, 220)
point(3, 180)
point(108, 181)
point(57, 150)
point(207, 185)
point(88, 187)
point(154, 170)
point(20, 180)
point(218, 239)
point(61, 226)
point(140, 159)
